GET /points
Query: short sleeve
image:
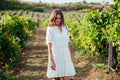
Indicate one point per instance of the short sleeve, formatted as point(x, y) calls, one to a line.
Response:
point(49, 35)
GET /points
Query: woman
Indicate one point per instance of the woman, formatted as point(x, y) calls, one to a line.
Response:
point(60, 65)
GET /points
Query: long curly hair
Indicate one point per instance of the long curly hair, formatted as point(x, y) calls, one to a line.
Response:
point(53, 17)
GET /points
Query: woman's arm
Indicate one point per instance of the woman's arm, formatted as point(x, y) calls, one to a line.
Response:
point(53, 66)
point(50, 51)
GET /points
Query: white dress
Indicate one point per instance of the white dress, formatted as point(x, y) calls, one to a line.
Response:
point(60, 51)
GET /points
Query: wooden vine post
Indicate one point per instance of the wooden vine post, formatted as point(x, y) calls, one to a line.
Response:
point(112, 57)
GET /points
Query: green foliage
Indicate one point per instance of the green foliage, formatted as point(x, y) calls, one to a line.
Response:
point(6, 77)
point(14, 30)
point(102, 27)
point(93, 32)
point(45, 23)
point(39, 9)
point(73, 24)
point(102, 66)
point(16, 5)
point(45, 20)
point(85, 10)
point(116, 4)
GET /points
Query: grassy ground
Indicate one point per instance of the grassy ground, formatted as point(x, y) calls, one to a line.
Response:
point(35, 62)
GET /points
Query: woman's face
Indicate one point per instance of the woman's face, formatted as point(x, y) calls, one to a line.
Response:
point(58, 20)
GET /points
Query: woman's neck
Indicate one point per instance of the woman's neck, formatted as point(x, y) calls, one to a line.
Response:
point(59, 27)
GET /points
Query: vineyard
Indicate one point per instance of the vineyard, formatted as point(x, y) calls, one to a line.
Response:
point(23, 52)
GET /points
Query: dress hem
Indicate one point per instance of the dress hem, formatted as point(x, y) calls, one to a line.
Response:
point(61, 76)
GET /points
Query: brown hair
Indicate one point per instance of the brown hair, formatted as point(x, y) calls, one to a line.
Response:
point(54, 15)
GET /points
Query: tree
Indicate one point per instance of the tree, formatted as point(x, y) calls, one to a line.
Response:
point(84, 2)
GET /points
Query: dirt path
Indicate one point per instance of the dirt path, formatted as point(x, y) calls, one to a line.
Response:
point(35, 62)
point(35, 58)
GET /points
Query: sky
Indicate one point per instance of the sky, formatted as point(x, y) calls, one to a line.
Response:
point(67, 1)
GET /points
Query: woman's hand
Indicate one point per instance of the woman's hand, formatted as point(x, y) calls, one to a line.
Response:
point(53, 65)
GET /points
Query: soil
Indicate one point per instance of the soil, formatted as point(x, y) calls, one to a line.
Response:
point(34, 62)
